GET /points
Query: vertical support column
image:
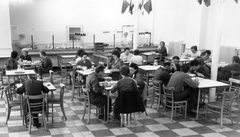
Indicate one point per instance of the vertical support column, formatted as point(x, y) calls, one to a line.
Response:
point(216, 47)
point(136, 28)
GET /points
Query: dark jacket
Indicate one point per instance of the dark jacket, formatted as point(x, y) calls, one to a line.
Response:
point(162, 74)
point(86, 63)
point(28, 58)
point(115, 65)
point(126, 84)
point(32, 87)
point(139, 78)
point(225, 72)
point(46, 63)
point(11, 64)
point(162, 51)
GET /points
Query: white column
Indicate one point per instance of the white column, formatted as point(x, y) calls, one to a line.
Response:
point(216, 46)
point(136, 28)
point(5, 28)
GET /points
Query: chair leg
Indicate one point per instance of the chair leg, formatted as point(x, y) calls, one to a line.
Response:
point(84, 112)
point(30, 123)
point(2, 88)
point(172, 113)
point(153, 98)
point(44, 121)
point(206, 112)
point(89, 112)
point(164, 107)
point(121, 120)
point(159, 102)
point(8, 114)
point(221, 118)
point(63, 111)
point(73, 92)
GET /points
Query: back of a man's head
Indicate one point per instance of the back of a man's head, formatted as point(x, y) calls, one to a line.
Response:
point(236, 59)
point(99, 68)
point(166, 64)
point(194, 63)
point(185, 68)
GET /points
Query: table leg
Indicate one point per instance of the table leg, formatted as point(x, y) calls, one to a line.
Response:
point(52, 104)
point(199, 91)
point(107, 106)
point(66, 70)
point(147, 78)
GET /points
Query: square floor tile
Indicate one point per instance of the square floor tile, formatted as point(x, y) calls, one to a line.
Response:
point(102, 133)
point(184, 132)
point(190, 124)
point(217, 128)
point(157, 127)
point(213, 135)
point(166, 133)
point(139, 129)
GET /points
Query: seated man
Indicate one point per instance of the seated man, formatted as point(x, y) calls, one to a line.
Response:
point(96, 91)
point(126, 84)
point(32, 87)
point(136, 58)
point(84, 61)
point(225, 72)
point(175, 64)
point(162, 73)
point(12, 61)
point(199, 70)
point(25, 56)
point(126, 55)
point(46, 63)
point(184, 87)
point(205, 56)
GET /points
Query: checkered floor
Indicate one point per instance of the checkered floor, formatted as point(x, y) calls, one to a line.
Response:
point(155, 124)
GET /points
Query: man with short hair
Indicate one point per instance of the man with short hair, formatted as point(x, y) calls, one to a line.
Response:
point(126, 55)
point(225, 72)
point(25, 56)
point(199, 70)
point(204, 57)
point(185, 87)
point(96, 91)
point(46, 63)
point(84, 61)
point(136, 58)
point(175, 64)
point(162, 73)
point(32, 86)
point(194, 52)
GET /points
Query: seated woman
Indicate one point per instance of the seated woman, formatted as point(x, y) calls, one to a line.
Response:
point(137, 76)
point(78, 56)
point(25, 56)
point(162, 52)
point(12, 61)
point(84, 61)
point(126, 84)
point(115, 65)
point(46, 63)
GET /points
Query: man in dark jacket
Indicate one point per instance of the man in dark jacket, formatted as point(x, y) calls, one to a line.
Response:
point(46, 63)
point(32, 86)
point(96, 91)
point(162, 73)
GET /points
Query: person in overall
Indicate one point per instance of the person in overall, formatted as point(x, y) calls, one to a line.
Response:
point(32, 86)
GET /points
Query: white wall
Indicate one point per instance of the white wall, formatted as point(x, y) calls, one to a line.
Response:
point(5, 33)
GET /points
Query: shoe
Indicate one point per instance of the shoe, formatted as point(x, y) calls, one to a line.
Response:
point(38, 125)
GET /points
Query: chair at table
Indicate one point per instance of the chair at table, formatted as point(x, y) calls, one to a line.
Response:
point(75, 84)
point(87, 105)
point(224, 105)
point(11, 103)
point(64, 70)
point(57, 100)
point(168, 101)
point(157, 90)
point(235, 74)
point(129, 103)
point(35, 107)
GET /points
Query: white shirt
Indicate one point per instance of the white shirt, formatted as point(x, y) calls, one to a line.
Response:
point(126, 41)
point(137, 59)
point(125, 57)
point(196, 54)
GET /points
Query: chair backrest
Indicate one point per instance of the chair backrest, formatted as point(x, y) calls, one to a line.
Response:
point(130, 102)
point(157, 86)
point(8, 94)
point(168, 93)
point(51, 76)
point(62, 89)
point(235, 74)
point(234, 84)
point(86, 96)
point(35, 103)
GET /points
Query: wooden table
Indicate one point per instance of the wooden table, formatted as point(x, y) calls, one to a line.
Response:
point(89, 71)
point(60, 61)
point(18, 73)
point(147, 69)
point(207, 83)
point(147, 54)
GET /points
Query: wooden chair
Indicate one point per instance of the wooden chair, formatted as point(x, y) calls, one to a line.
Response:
point(235, 74)
point(58, 101)
point(11, 103)
point(87, 105)
point(36, 108)
point(168, 100)
point(157, 89)
point(224, 105)
point(76, 85)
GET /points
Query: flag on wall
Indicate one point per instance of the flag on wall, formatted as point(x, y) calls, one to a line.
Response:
point(125, 5)
point(148, 6)
point(131, 7)
point(207, 2)
point(199, 1)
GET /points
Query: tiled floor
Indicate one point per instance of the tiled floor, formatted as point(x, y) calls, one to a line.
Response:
point(155, 124)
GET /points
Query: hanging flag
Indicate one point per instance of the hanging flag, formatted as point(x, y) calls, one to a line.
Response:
point(148, 6)
point(124, 6)
point(199, 1)
point(236, 1)
point(140, 5)
point(131, 7)
point(207, 2)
